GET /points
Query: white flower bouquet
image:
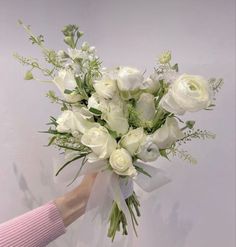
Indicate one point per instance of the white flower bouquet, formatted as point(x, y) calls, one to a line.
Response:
point(115, 120)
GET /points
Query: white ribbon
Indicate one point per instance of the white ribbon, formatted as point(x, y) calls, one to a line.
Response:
point(109, 187)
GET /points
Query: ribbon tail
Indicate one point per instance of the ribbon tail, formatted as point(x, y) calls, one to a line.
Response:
point(158, 178)
point(93, 226)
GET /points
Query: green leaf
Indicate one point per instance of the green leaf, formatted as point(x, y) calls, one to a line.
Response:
point(175, 67)
point(141, 170)
point(95, 111)
point(69, 41)
point(190, 124)
point(78, 172)
point(28, 75)
point(68, 162)
point(67, 91)
point(64, 107)
point(52, 140)
point(113, 133)
point(163, 153)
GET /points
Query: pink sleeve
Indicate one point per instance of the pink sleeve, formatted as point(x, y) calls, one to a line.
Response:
point(36, 228)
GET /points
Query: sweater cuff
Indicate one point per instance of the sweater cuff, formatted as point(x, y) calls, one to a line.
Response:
point(35, 228)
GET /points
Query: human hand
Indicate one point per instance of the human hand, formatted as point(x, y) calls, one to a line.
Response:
point(73, 204)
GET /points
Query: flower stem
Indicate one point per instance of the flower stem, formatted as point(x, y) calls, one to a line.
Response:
point(117, 218)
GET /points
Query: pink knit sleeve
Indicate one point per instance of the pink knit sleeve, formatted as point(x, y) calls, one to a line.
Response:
point(36, 228)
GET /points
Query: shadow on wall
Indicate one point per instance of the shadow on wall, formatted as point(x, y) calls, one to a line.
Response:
point(31, 200)
point(172, 232)
point(157, 230)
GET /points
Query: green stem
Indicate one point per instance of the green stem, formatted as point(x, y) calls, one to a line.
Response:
point(117, 217)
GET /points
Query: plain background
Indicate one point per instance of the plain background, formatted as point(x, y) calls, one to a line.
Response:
point(198, 207)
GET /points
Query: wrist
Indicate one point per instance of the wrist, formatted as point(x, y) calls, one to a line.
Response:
point(72, 205)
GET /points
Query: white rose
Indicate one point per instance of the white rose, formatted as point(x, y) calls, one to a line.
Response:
point(66, 80)
point(97, 102)
point(72, 121)
point(100, 141)
point(106, 87)
point(187, 93)
point(150, 85)
point(148, 150)
point(145, 106)
point(121, 162)
point(132, 140)
point(169, 133)
point(115, 116)
point(129, 81)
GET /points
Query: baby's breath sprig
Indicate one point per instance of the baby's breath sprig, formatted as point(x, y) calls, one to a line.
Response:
point(196, 134)
point(49, 55)
point(65, 105)
point(33, 64)
point(182, 154)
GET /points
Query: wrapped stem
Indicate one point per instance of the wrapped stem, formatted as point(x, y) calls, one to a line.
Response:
point(117, 218)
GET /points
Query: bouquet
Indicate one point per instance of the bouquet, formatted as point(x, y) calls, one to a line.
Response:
point(116, 120)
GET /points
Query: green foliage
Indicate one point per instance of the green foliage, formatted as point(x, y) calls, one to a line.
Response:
point(52, 96)
point(49, 55)
point(182, 154)
point(141, 170)
point(160, 118)
point(68, 162)
point(78, 172)
point(37, 39)
point(28, 75)
point(95, 111)
point(71, 35)
point(190, 124)
point(161, 92)
point(163, 153)
point(175, 67)
point(117, 218)
point(196, 134)
point(33, 64)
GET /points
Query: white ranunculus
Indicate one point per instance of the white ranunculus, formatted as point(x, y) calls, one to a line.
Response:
point(169, 133)
point(115, 116)
point(150, 85)
point(148, 150)
point(187, 93)
point(100, 141)
point(97, 102)
point(66, 80)
point(145, 106)
point(121, 162)
point(72, 121)
point(106, 87)
point(129, 81)
point(132, 140)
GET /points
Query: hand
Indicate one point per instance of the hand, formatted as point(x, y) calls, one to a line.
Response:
point(73, 204)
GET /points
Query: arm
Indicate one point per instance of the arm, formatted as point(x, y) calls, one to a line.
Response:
point(73, 204)
point(42, 225)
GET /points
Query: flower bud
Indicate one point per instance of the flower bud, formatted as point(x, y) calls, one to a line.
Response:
point(165, 57)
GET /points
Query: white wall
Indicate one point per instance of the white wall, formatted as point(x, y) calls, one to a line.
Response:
point(198, 207)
